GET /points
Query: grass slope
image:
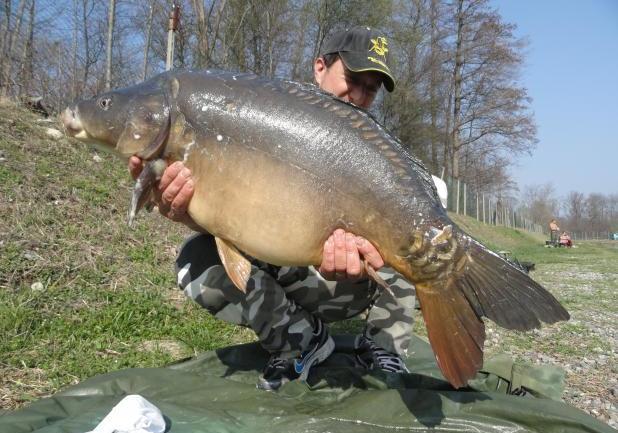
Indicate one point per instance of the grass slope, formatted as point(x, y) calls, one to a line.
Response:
point(81, 294)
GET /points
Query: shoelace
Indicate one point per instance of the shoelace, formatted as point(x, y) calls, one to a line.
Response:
point(277, 362)
point(386, 360)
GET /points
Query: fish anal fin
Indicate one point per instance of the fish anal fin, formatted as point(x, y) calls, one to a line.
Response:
point(236, 265)
point(455, 331)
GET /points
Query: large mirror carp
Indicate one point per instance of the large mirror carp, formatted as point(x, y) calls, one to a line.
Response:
point(278, 166)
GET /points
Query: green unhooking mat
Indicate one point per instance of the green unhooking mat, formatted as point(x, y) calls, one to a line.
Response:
point(216, 392)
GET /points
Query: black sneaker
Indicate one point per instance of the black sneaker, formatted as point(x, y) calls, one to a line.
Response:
point(279, 370)
point(373, 357)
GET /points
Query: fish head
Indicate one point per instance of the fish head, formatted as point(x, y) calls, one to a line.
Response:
point(128, 121)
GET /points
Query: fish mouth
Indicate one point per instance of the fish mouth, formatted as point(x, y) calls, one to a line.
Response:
point(72, 124)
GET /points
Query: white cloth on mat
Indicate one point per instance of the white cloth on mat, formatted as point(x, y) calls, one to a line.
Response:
point(133, 414)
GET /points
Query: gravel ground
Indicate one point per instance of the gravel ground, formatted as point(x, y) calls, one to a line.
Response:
point(586, 347)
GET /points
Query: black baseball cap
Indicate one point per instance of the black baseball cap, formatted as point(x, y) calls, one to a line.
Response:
point(362, 49)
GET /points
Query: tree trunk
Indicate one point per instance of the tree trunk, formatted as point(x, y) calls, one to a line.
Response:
point(74, 52)
point(28, 57)
point(269, 45)
point(147, 42)
point(86, 44)
point(202, 34)
point(433, 103)
point(297, 57)
point(9, 47)
point(457, 89)
point(110, 42)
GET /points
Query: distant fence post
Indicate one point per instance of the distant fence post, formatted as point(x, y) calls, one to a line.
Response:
point(491, 216)
point(483, 200)
point(457, 202)
point(465, 200)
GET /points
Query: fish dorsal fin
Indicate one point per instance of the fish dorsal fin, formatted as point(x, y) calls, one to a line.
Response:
point(236, 265)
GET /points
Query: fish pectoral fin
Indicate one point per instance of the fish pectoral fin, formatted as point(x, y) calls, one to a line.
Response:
point(142, 192)
point(456, 333)
point(236, 265)
point(155, 147)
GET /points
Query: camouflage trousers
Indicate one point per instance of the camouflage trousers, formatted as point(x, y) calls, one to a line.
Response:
point(282, 304)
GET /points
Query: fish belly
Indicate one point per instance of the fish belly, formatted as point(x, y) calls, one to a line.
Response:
point(267, 207)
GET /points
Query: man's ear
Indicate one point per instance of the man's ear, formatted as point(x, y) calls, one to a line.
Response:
point(319, 69)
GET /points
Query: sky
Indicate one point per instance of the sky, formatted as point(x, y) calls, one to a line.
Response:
point(571, 73)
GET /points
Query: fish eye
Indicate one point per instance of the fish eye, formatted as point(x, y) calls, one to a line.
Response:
point(105, 103)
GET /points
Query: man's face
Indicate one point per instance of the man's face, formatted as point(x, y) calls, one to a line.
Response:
point(359, 88)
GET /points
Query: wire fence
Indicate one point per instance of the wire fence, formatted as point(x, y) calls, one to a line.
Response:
point(593, 235)
point(493, 209)
point(487, 208)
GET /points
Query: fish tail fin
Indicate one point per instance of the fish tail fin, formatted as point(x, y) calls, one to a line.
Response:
point(460, 282)
point(503, 293)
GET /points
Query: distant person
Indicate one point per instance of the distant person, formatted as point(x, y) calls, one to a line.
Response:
point(554, 231)
point(565, 240)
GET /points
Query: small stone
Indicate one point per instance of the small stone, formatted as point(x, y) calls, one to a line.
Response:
point(30, 255)
point(37, 287)
point(54, 133)
point(97, 158)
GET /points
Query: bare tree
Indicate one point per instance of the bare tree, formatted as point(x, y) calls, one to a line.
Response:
point(457, 89)
point(9, 45)
point(27, 60)
point(147, 41)
point(541, 203)
point(575, 207)
point(489, 108)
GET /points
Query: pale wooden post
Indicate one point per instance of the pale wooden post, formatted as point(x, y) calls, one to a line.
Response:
point(465, 200)
point(483, 200)
point(457, 202)
point(172, 26)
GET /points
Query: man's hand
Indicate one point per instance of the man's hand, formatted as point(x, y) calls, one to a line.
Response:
point(342, 255)
point(174, 191)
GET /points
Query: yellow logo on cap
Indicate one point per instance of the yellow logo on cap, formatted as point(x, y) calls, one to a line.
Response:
point(379, 46)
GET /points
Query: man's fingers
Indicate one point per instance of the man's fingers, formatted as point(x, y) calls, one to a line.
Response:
point(181, 201)
point(369, 253)
point(341, 257)
point(327, 267)
point(170, 174)
point(340, 254)
point(353, 263)
point(171, 191)
point(135, 166)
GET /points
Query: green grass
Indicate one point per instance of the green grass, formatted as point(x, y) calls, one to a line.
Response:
point(105, 294)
